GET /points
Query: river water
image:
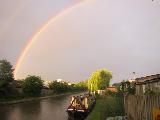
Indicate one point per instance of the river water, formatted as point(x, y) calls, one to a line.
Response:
point(47, 109)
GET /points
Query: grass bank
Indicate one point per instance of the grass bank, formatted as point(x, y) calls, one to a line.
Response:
point(107, 106)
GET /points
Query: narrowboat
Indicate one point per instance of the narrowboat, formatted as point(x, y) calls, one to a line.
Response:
point(80, 106)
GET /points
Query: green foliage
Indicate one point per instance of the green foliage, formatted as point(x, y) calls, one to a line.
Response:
point(3, 83)
point(97, 96)
point(114, 94)
point(131, 90)
point(58, 87)
point(6, 76)
point(6, 71)
point(117, 85)
point(127, 87)
point(107, 106)
point(115, 107)
point(61, 87)
point(81, 85)
point(99, 80)
point(32, 85)
point(110, 93)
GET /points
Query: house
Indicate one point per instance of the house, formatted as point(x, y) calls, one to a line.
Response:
point(142, 104)
point(147, 84)
point(112, 89)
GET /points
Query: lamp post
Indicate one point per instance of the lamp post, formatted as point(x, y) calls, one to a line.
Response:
point(0, 66)
point(0, 69)
point(134, 75)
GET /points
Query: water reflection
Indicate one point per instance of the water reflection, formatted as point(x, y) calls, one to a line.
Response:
point(70, 118)
point(33, 114)
point(47, 109)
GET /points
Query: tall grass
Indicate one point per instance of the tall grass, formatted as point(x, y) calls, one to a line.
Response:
point(107, 106)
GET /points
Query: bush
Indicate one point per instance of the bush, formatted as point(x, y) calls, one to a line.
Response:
point(32, 86)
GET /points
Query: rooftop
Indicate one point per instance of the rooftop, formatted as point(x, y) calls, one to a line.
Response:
point(148, 79)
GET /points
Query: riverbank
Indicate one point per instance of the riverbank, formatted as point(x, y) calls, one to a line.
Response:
point(35, 98)
point(106, 106)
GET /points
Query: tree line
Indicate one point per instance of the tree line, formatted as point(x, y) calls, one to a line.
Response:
point(32, 85)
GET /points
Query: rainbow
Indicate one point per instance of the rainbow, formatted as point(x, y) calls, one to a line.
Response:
point(34, 37)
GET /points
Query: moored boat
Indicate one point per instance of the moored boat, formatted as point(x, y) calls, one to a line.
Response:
point(81, 105)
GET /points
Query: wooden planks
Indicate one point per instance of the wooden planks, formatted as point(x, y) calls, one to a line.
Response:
point(140, 107)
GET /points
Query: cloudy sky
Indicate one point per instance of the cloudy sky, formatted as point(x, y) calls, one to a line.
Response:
point(120, 35)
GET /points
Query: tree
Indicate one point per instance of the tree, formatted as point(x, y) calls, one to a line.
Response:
point(6, 76)
point(6, 71)
point(81, 85)
point(117, 85)
point(99, 80)
point(32, 85)
point(127, 87)
point(58, 87)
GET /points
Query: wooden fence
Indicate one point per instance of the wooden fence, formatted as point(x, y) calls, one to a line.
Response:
point(141, 107)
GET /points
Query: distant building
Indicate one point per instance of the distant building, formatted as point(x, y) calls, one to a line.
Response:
point(59, 80)
point(69, 83)
point(63, 81)
point(112, 89)
point(47, 82)
point(148, 83)
point(132, 80)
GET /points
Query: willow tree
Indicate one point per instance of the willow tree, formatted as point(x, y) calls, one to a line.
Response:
point(99, 80)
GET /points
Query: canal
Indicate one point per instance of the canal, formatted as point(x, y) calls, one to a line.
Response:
point(47, 109)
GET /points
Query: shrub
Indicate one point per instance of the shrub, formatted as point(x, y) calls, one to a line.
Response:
point(32, 86)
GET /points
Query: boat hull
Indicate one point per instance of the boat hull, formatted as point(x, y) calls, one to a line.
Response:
point(75, 114)
point(81, 106)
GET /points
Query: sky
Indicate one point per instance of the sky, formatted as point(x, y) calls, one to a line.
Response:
point(78, 37)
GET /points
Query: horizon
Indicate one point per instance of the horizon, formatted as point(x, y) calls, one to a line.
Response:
point(71, 39)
